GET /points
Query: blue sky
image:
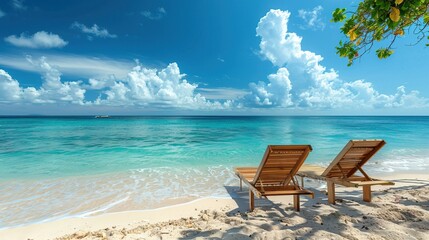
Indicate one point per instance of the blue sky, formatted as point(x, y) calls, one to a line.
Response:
point(196, 57)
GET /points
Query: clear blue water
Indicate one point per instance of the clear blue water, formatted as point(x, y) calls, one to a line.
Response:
point(45, 158)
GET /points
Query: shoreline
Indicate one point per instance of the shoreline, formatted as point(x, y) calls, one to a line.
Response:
point(171, 202)
point(184, 210)
point(119, 219)
point(87, 215)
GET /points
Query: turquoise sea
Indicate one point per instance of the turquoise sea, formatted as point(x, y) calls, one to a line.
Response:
point(56, 167)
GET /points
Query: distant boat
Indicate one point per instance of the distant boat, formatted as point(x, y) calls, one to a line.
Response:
point(102, 116)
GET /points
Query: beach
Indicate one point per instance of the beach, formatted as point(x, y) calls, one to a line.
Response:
point(213, 120)
point(61, 176)
point(396, 212)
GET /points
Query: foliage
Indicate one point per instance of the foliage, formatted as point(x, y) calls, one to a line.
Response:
point(376, 20)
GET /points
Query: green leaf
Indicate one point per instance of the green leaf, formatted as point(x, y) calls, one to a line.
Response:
point(384, 53)
point(338, 15)
point(426, 18)
point(378, 34)
point(397, 2)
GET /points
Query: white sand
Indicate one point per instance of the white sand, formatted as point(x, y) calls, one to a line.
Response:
point(396, 212)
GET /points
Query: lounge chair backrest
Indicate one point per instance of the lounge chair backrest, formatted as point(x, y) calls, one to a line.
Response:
point(280, 164)
point(353, 156)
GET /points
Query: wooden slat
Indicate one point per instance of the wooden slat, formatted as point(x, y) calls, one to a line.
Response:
point(245, 168)
point(361, 150)
point(287, 154)
point(298, 165)
point(276, 188)
point(342, 182)
point(282, 160)
point(337, 158)
point(247, 173)
point(275, 169)
point(356, 178)
point(367, 143)
point(287, 192)
point(287, 151)
point(355, 153)
point(279, 165)
point(351, 160)
point(381, 143)
point(269, 183)
point(369, 183)
point(274, 173)
point(267, 178)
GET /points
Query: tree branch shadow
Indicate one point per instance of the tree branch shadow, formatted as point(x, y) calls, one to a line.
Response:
point(316, 217)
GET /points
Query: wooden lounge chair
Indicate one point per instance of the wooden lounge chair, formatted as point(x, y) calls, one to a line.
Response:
point(276, 173)
point(343, 168)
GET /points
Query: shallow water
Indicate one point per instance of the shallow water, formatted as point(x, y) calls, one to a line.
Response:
point(66, 166)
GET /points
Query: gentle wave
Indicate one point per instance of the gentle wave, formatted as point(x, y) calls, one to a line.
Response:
point(29, 201)
point(400, 160)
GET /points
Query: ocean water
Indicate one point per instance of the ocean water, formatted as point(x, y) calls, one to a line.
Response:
point(56, 167)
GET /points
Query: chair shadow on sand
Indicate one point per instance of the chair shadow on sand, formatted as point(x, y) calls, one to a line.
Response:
point(274, 218)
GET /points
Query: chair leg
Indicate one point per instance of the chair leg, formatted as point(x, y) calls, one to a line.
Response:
point(251, 201)
point(367, 193)
point(241, 185)
point(296, 202)
point(331, 192)
point(302, 182)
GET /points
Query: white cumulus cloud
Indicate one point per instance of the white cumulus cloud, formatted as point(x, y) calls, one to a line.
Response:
point(323, 88)
point(312, 18)
point(52, 89)
point(40, 39)
point(94, 31)
point(275, 93)
point(142, 87)
point(156, 87)
point(9, 88)
point(101, 83)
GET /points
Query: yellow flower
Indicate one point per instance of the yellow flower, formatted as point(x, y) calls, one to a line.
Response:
point(352, 34)
point(395, 14)
point(397, 2)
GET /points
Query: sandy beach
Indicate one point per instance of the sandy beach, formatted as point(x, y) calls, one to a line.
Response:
point(396, 212)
